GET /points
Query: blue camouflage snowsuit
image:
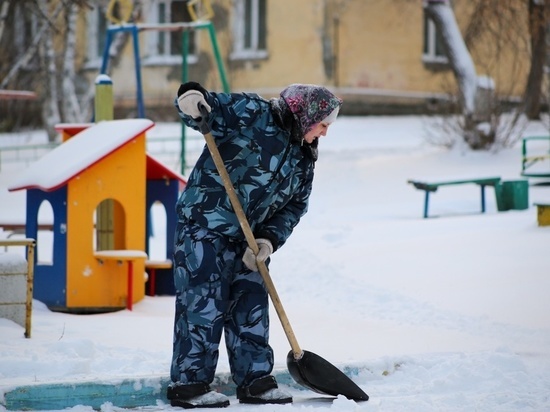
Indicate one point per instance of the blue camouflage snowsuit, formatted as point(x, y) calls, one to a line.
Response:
point(215, 292)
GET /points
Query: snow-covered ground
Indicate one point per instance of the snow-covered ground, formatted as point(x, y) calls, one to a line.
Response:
point(450, 313)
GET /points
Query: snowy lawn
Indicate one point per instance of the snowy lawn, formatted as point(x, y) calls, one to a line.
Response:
point(450, 313)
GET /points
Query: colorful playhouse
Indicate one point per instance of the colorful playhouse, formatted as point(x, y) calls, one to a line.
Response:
point(101, 185)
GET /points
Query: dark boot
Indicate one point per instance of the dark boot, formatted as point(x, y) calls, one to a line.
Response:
point(263, 390)
point(195, 395)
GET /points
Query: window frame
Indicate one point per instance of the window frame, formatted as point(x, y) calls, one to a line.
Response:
point(431, 43)
point(151, 56)
point(254, 51)
point(94, 37)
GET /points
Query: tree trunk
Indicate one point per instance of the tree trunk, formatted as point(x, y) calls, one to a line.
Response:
point(475, 94)
point(537, 33)
point(71, 108)
point(31, 51)
point(459, 57)
point(50, 108)
point(3, 16)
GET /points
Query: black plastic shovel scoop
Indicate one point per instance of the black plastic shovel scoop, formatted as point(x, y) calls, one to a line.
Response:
point(306, 368)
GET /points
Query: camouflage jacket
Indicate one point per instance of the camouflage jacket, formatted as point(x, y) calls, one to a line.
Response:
point(271, 174)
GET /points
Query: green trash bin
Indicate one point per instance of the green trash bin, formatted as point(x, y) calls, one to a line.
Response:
point(514, 195)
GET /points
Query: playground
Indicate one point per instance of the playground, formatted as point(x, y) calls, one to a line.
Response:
point(448, 299)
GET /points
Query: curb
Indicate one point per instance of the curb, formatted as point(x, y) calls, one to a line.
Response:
point(123, 393)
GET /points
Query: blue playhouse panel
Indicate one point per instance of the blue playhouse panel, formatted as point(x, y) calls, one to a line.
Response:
point(166, 193)
point(50, 280)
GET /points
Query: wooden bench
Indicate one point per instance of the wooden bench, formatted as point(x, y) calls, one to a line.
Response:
point(120, 256)
point(151, 266)
point(20, 229)
point(543, 214)
point(432, 186)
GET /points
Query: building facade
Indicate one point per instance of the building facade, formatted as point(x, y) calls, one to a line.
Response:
point(381, 56)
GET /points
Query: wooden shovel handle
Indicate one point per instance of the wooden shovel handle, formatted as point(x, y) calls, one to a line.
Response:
point(245, 226)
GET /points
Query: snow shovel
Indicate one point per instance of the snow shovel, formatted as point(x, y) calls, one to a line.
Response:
point(306, 368)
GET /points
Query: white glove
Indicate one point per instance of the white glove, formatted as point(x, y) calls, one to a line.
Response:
point(189, 103)
point(249, 259)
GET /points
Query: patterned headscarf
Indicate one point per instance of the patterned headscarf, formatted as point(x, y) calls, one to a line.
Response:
point(310, 104)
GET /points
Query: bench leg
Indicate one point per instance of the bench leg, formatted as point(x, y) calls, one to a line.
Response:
point(426, 202)
point(482, 198)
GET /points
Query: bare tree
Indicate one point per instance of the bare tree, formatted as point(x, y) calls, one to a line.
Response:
point(52, 74)
point(50, 110)
point(538, 28)
point(484, 122)
point(475, 92)
point(70, 105)
point(32, 50)
point(3, 15)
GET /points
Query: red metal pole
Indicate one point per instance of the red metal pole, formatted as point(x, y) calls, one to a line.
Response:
point(130, 285)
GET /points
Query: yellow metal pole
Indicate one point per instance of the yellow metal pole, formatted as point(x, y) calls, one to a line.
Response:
point(103, 98)
point(104, 111)
point(30, 282)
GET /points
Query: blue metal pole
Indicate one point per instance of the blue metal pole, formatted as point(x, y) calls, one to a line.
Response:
point(139, 89)
point(105, 61)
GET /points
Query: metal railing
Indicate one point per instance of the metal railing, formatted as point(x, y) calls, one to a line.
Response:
point(25, 154)
point(164, 148)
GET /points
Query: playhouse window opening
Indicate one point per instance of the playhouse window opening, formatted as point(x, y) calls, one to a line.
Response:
point(45, 238)
point(109, 226)
point(157, 241)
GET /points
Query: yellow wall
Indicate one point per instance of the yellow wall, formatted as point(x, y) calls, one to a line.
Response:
point(121, 176)
point(377, 44)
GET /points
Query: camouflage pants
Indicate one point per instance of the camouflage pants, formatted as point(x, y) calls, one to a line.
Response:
point(215, 292)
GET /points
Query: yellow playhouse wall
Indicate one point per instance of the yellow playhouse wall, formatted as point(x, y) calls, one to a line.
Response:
point(122, 177)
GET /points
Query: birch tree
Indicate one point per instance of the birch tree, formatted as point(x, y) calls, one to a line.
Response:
point(54, 78)
point(33, 49)
point(4, 8)
point(70, 105)
point(50, 110)
point(475, 92)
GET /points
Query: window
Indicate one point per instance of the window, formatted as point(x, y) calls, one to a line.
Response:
point(97, 34)
point(433, 45)
point(249, 29)
point(165, 47)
